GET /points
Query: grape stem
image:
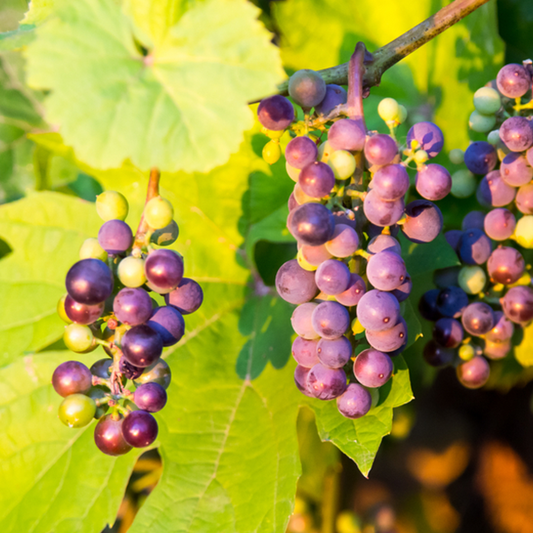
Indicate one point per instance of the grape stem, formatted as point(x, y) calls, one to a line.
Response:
point(152, 192)
point(393, 52)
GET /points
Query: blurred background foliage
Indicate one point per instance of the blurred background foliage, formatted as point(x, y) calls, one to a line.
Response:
point(457, 460)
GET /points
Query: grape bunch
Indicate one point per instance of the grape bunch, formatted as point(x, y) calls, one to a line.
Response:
point(347, 206)
point(109, 303)
point(478, 305)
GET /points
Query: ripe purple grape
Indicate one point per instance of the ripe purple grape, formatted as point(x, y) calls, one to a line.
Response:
point(150, 397)
point(334, 353)
point(304, 352)
point(502, 330)
point(515, 170)
point(294, 284)
point(71, 377)
point(355, 291)
point(474, 373)
point(301, 320)
point(142, 345)
point(158, 372)
point(82, 313)
point(383, 243)
point(330, 320)
point(473, 220)
point(169, 323)
point(102, 368)
point(451, 302)
point(187, 297)
point(493, 191)
point(391, 182)
point(478, 318)
point(316, 179)
point(516, 133)
point(429, 137)
point(344, 241)
point(517, 304)
point(355, 402)
point(163, 270)
point(380, 149)
point(496, 350)
point(433, 182)
point(132, 306)
point(513, 80)
point(436, 355)
point(386, 271)
point(480, 157)
point(524, 199)
point(423, 221)
point(139, 429)
point(300, 378)
point(115, 236)
point(275, 113)
point(332, 277)
point(335, 95)
point(307, 88)
point(372, 368)
point(326, 383)
point(448, 332)
point(505, 265)
point(474, 247)
point(312, 224)
point(380, 212)
point(378, 310)
point(390, 339)
point(109, 438)
point(89, 282)
point(499, 224)
point(300, 152)
point(347, 134)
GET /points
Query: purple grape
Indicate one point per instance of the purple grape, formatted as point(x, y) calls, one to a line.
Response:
point(515, 170)
point(115, 236)
point(529, 156)
point(132, 306)
point(315, 255)
point(275, 113)
point(380, 212)
point(330, 320)
point(316, 179)
point(517, 304)
point(312, 224)
point(344, 241)
point(404, 290)
point(353, 294)
point(503, 329)
point(307, 88)
point(300, 152)
point(380, 149)
point(436, 355)
point(164, 270)
point(304, 352)
point(150, 397)
point(499, 224)
point(524, 199)
point(474, 247)
point(187, 297)
point(516, 134)
point(391, 182)
point(108, 436)
point(474, 220)
point(423, 221)
point(433, 182)
point(102, 368)
point(326, 383)
point(513, 80)
point(158, 372)
point(378, 310)
point(139, 429)
point(448, 332)
point(496, 350)
point(300, 378)
point(372, 368)
point(129, 370)
point(347, 134)
point(453, 237)
point(478, 318)
point(142, 345)
point(294, 284)
point(390, 339)
point(334, 353)
point(332, 277)
point(355, 402)
point(427, 306)
point(386, 271)
point(429, 137)
point(82, 313)
point(335, 95)
point(506, 265)
point(89, 282)
point(71, 377)
point(493, 191)
point(474, 373)
point(480, 157)
point(451, 302)
point(292, 203)
point(383, 243)
point(169, 323)
point(301, 320)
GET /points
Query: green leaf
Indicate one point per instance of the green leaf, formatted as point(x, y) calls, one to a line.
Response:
point(360, 439)
point(182, 106)
point(524, 351)
point(39, 11)
point(16, 39)
point(58, 480)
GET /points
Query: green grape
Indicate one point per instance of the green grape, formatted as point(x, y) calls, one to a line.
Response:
point(457, 156)
point(324, 152)
point(158, 212)
point(165, 236)
point(487, 101)
point(271, 152)
point(91, 249)
point(303, 263)
point(61, 310)
point(523, 233)
point(342, 163)
point(96, 393)
point(463, 183)
point(481, 123)
point(131, 272)
point(111, 205)
point(79, 339)
point(402, 115)
point(467, 352)
point(293, 173)
point(77, 410)
point(389, 110)
point(472, 279)
point(494, 137)
point(302, 198)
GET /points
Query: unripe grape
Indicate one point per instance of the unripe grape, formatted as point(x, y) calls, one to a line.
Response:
point(294, 173)
point(342, 163)
point(402, 114)
point(158, 372)
point(421, 156)
point(111, 205)
point(324, 152)
point(61, 310)
point(77, 410)
point(271, 152)
point(389, 110)
point(158, 212)
point(303, 263)
point(466, 352)
point(463, 183)
point(457, 156)
point(472, 279)
point(493, 137)
point(487, 101)
point(79, 339)
point(165, 236)
point(131, 272)
point(481, 123)
point(524, 232)
point(91, 249)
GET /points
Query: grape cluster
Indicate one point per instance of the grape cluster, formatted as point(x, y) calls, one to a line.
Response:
point(347, 205)
point(108, 303)
point(491, 292)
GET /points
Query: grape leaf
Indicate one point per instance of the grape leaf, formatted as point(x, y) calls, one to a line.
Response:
point(16, 39)
point(39, 11)
point(182, 106)
point(58, 480)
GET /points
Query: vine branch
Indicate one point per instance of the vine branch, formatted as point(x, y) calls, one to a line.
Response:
point(388, 55)
point(152, 192)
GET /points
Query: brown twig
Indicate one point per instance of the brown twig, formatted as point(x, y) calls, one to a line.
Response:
point(152, 192)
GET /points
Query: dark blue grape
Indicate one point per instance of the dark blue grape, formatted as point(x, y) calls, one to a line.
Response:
point(427, 305)
point(187, 297)
point(474, 220)
point(275, 113)
point(474, 247)
point(115, 236)
point(108, 436)
point(451, 302)
point(139, 429)
point(294, 284)
point(142, 345)
point(89, 282)
point(423, 221)
point(448, 332)
point(132, 306)
point(453, 238)
point(150, 397)
point(312, 224)
point(480, 157)
point(169, 323)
